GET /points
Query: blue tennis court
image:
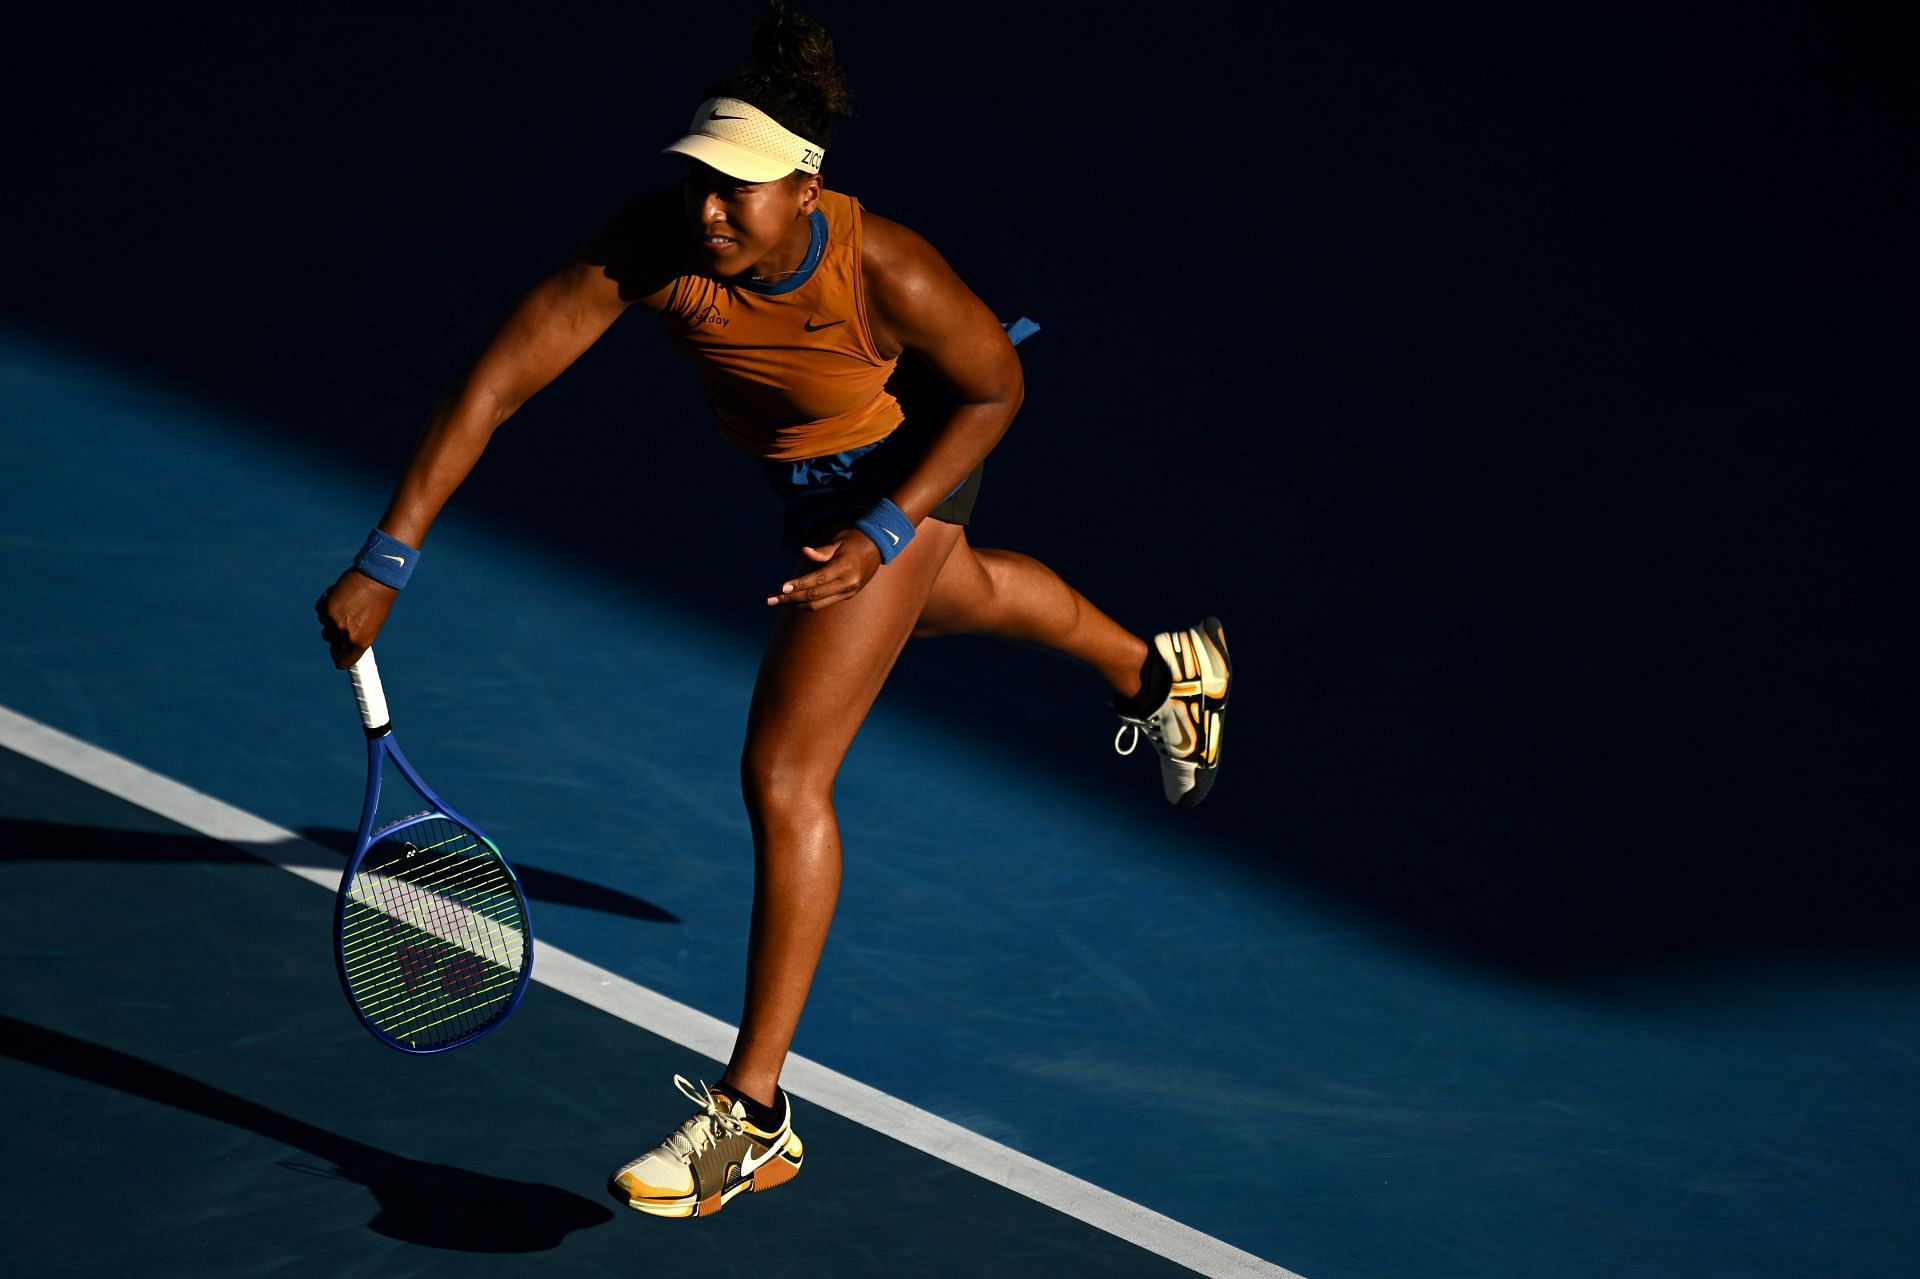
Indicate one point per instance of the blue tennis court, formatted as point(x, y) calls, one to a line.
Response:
point(1553, 913)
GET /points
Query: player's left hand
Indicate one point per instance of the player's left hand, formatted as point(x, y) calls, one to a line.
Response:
point(848, 562)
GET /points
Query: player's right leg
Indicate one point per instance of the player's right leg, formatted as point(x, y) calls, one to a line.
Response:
point(1172, 690)
point(820, 675)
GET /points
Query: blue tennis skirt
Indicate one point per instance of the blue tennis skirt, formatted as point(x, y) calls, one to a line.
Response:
point(823, 493)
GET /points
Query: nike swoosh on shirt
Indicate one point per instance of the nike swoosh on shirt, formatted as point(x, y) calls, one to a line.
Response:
point(811, 327)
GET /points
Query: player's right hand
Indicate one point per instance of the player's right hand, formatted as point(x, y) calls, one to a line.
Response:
point(351, 613)
point(847, 563)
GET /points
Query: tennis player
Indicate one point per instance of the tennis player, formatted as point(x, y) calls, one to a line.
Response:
point(796, 306)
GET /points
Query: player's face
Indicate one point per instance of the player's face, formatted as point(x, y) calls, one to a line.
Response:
point(742, 226)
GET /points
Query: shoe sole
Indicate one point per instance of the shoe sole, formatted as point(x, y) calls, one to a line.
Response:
point(777, 1171)
point(1203, 774)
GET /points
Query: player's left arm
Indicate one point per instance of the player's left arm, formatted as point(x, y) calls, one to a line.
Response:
point(916, 303)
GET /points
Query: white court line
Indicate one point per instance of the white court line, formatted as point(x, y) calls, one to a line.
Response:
point(654, 1012)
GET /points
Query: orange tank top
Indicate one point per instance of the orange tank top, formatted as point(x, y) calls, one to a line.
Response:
point(790, 367)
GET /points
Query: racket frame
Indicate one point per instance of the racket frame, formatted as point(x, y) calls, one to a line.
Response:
point(382, 748)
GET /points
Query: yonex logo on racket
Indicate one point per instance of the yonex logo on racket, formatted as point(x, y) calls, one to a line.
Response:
point(462, 976)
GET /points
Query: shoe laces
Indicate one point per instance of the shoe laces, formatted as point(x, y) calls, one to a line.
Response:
point(697, 1133)
point(1151, 727)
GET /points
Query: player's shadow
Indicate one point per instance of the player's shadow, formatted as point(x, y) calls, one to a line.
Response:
point(432, 1205)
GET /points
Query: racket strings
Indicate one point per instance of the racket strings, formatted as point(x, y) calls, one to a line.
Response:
point(435, 935)
point(419, 987)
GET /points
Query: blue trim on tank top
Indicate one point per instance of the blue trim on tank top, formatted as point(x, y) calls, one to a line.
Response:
point(816, 249)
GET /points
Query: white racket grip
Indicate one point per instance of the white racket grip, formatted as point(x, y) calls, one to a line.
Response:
point(367, 691)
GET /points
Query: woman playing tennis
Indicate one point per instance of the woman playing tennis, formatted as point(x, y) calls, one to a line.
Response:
point(796, 305)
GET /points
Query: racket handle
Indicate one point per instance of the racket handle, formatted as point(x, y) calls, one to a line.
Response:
point(372, 697)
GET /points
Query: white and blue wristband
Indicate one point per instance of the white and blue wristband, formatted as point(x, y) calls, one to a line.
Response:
point(886, 523)
point(889, 528)
point(386, 559)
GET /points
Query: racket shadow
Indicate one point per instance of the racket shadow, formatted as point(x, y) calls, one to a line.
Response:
point(538, 883)
point(431, 1205)
point(50, 841)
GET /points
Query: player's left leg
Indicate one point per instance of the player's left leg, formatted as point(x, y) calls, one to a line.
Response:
point(1172, 690)
point(1017, 597)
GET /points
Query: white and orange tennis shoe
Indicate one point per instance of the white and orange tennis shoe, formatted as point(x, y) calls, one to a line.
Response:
point(1187, 727)
point(710, 1158)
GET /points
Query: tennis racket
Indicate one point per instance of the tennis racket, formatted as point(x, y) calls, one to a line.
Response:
point(430, 927)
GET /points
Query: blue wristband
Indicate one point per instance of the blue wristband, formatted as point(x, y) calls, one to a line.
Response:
point(387, 560)
point(889, 528)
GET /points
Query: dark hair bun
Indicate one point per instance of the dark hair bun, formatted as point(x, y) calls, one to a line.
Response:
point(791, 44)
point(791, 74)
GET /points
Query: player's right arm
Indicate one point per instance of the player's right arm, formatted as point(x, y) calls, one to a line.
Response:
point(551, 328)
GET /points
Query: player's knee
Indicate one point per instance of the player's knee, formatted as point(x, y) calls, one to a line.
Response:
point(776, 780)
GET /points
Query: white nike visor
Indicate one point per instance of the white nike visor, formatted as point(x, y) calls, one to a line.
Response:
point(742, 141)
